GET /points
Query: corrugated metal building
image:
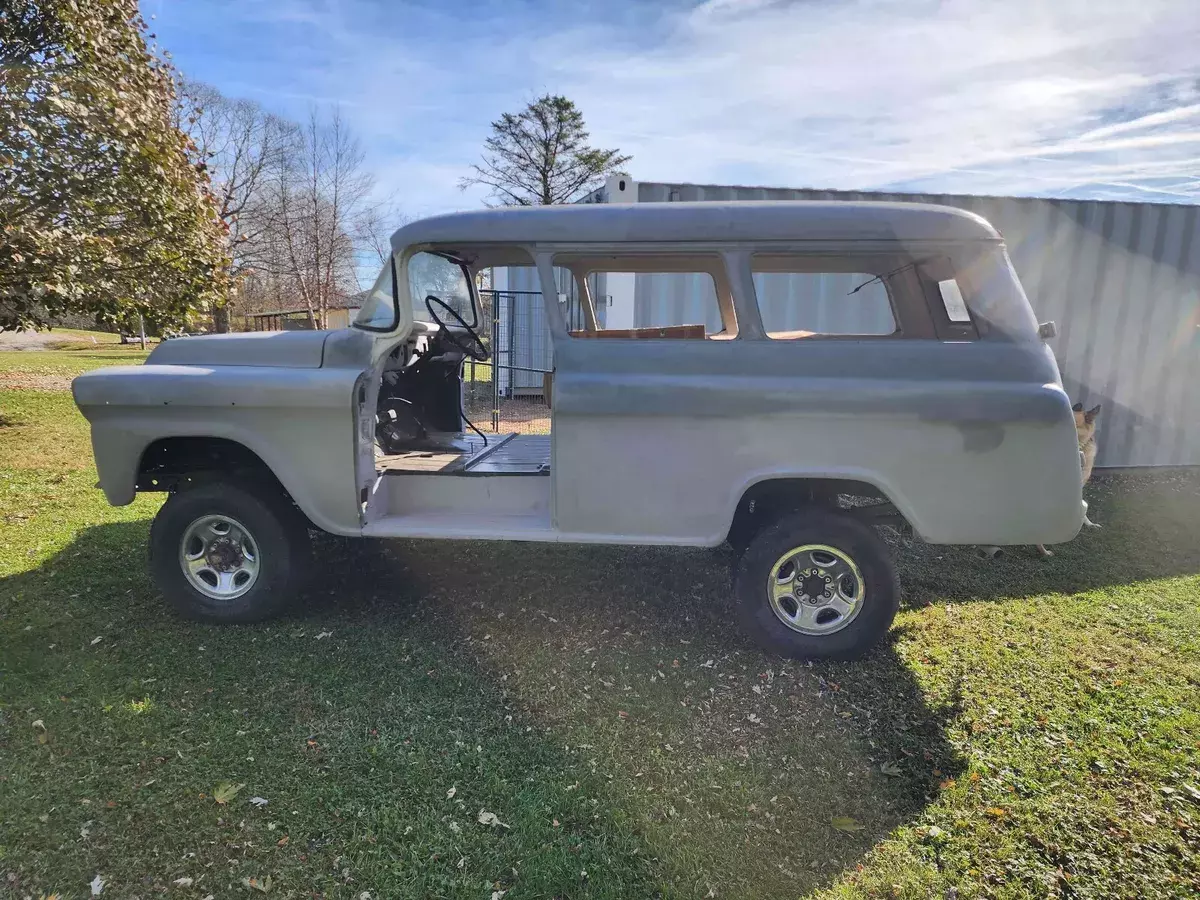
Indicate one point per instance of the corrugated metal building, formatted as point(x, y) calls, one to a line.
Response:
point(1121, 280)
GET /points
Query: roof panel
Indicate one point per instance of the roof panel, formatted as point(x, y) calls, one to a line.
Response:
point(722, 221)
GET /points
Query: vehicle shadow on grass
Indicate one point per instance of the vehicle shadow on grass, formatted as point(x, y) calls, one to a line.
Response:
point(735, 763)
point(625, 679)
point(750, 775)
point(371, 738)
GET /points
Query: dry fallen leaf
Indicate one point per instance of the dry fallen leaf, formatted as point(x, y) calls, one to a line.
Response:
point(97, 884)
point(183, 882)
point(450, 793)
point(224, 792)
point(846, 824)
point(323, 635)
point(282, 842)
point(891, 769)
point(490, 818)
point(260, 802)
point(262, 885)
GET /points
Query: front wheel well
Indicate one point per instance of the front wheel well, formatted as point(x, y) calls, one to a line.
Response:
point(765, 502)
point(168, 464)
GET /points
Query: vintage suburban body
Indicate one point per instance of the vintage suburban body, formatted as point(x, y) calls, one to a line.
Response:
point(952, 420)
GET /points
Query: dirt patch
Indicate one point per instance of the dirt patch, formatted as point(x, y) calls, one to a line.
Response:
point(33, 381)
point(28, 340)
point(519, 414)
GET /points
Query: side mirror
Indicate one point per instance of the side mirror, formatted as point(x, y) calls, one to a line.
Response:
point(1047, 330)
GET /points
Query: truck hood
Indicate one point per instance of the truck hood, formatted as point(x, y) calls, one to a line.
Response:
point(282, 349)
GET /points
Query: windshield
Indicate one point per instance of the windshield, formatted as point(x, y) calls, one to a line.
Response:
point(445, 279)
point(428, 273)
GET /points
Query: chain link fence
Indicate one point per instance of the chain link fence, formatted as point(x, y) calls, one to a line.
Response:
point(508, 392)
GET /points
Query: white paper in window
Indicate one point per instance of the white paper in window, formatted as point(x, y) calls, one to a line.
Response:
point(952, 299)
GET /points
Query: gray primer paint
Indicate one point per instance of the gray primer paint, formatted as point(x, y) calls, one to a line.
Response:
point(655, 441)
point(1121, 280)
point(287, 349)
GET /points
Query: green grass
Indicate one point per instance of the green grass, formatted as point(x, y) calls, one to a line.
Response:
point(1032, 728)
point(68, 363)
point(83, 339)
point(42, 431)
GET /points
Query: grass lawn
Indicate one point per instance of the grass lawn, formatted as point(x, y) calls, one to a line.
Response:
point(1032, 728)
point(83, 336)
point(52, 370)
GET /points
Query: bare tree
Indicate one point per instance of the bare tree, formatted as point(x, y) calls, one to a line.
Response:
point(295, 201)
point(315, 205)
point(373, 231)
point(541, 156)
point(244, 147)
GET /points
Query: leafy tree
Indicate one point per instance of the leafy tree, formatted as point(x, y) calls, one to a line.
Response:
point(105, 207)
point(541, 156)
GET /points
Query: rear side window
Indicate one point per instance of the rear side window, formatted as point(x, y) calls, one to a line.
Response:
point(952, 300)
point(810, 304)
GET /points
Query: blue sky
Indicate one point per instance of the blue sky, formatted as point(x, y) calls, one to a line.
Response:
point(1097, 98)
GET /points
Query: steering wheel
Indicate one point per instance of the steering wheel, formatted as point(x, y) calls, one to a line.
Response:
point(475, 348)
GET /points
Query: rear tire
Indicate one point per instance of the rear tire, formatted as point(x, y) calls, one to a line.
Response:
point(229, 551)
point(817, 584)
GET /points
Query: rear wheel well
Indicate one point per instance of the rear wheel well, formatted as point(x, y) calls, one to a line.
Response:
point(169, 464)
point(766, 502)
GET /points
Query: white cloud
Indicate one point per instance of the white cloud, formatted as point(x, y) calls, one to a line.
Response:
point(1025, 96)
point(967, 95)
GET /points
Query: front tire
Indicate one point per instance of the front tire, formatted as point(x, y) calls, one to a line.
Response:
point(817, 584)
point(228, 551)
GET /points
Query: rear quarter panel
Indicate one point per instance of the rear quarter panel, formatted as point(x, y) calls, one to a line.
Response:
point(973, 442)
point(300, 422)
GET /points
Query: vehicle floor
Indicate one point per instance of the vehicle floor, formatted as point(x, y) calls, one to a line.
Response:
point(501, 454)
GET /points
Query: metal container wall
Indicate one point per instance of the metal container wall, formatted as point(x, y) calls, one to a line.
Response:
point(1121, 280)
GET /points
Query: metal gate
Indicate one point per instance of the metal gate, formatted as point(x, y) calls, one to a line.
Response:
point(507, 393)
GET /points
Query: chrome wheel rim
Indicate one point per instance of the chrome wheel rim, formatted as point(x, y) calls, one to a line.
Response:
point(815, 589)
point(219, 557)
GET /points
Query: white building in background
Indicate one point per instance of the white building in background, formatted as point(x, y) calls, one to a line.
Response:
point(1121, 280)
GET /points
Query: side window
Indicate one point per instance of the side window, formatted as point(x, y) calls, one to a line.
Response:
point(952, 300)
point(800, 304)
point(649, 304)
point(948, 292)
point(667, 299)
point(522, 286)
point(378, 312)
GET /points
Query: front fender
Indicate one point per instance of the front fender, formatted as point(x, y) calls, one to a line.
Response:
point(300, 422)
